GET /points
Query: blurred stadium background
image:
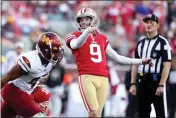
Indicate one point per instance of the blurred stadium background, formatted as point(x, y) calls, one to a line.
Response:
point(121, 21)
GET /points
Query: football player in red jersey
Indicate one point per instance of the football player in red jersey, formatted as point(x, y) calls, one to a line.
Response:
point(89, 48)
point(31, 69)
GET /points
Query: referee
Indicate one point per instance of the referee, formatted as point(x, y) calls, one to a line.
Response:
point(151, 79)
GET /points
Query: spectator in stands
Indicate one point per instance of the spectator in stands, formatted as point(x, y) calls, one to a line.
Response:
point(2, 62)
point(172, 35)
point(171, 12)
point(13, 55)
point(142, 8)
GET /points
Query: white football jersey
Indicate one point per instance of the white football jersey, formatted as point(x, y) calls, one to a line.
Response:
point(36, 72)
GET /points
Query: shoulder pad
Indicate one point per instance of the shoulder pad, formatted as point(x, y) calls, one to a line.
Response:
point(26, 61)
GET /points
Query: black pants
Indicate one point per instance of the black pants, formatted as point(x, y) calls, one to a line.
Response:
point(132, 110)
point(147, 85)
point(172, 100)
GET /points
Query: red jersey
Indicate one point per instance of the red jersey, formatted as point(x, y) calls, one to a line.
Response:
point(91, 56)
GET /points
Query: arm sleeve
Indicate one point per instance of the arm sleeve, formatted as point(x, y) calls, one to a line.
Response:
point(122, 59)
point(75, 43)
point(166, 52)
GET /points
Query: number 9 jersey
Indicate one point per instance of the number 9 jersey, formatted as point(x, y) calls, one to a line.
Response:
point(91, 56)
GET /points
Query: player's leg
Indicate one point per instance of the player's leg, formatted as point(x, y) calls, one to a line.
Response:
point(88, 94)
point(22, 102)
point(26, 106)
point(7, 111)
point(102, 93)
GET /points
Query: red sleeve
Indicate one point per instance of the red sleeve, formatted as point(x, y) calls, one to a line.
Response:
point(69, 37)
point(106, 42)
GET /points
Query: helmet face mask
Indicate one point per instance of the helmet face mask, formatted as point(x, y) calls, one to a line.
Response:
point(84, 22)
point(57, 54)
point(50, 47)
point(84, 13)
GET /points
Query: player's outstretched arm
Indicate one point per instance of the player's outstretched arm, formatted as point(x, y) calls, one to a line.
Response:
point(125, 60)
point(77, 43)
point(13, 74)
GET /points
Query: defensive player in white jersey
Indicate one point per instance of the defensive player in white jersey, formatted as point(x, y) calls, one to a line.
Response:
point(35, 66)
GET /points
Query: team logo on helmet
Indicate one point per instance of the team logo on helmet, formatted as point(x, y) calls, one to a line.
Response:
point(46, 40)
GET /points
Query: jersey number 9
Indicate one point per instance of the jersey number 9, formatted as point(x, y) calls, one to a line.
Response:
point(95, 51)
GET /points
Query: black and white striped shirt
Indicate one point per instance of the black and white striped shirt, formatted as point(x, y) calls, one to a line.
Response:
point(156, 48)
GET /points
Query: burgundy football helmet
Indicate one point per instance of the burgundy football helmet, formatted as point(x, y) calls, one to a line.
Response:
point(50, 47)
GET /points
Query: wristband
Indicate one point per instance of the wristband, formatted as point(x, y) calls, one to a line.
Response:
point(161, 86)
